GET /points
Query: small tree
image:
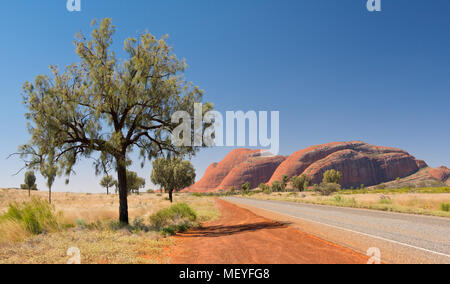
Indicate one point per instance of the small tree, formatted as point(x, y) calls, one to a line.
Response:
point(30, 182)
point(49, 172)
point(278, 186)
point(285, 180)
point(134, 182)
point(301, 183)
point(108, 182)
point(245, 188)
point(332, 176)
point(172, 174)
point(327, 188)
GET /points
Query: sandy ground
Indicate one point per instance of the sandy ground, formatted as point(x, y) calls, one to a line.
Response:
point(241, 237)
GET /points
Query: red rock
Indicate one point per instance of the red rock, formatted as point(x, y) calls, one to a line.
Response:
point(238, 167)
point(441, 173)
point(359, 162)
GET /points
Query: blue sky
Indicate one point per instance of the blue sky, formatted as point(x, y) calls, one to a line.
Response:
point(334, 71)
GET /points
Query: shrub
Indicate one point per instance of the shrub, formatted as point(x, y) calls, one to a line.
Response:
point(327, 188)
point(445, 207)
point(332, 176)
point(35, 217)
point(301, 183)
point(278, 186)
point(246, 188)
point(264, 187)
point(176, 215)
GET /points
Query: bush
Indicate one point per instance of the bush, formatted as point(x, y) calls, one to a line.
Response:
point(332, 176)
point(278, 186)
point(301, 183)
point(177, 215)
point(327, 188)
point(36, 216)
point(246, 188)
point(264, 187)
point(445, 207)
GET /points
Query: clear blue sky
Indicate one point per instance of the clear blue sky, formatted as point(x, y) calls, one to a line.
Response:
point(334, 71)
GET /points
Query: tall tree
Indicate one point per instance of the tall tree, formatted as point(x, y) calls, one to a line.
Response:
point(172, 174)
point(110, 107)
point(49, 172)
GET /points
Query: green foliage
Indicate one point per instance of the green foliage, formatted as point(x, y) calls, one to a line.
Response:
point(176, 216)
point(327, 188)
point(278, 186)
point(134, 182)
point(332, 176)
point(245, 188)
point(172, 174)
point(108, 106)
point(108, 182)
point(285, 180)
point(30, 181)
point(445, 207)
point(36, 216)
point(300, 183)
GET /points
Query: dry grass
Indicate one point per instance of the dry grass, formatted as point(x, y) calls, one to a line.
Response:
point(96, 245)
point(413, 203)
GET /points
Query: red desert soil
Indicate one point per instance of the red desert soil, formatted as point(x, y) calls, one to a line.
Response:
point(241, 237)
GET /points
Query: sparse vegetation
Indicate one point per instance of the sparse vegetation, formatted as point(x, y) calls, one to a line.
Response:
point(89, 221)
point(278, 186)
point(300, 183)
point(445, 207)
point(34, 217)
point(177, 218)
point(332, 176)
point(327, 188)
point(30, 182)
point(246, 188)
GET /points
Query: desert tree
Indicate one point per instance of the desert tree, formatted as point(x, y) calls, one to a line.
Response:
point(172, 174)
point(107, 182)
point(332, 176)
point(110, 107)
point(30, 182)
point(300, 183)
point(49, 171)
point(134, 182)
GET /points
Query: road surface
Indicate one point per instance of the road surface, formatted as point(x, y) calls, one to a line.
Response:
point(242, 237)
point(401, 238)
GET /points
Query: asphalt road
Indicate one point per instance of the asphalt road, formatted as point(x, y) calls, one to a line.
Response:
point(402, 238)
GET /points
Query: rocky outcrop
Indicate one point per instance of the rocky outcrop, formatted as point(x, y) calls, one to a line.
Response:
point(238, 167)
point(441, 174)
point(359, 162)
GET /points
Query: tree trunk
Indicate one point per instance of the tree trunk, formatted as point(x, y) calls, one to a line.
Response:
point(107, 190)
point(123, 191)
point(171, 196)
point(29, 192)
point(50, 195)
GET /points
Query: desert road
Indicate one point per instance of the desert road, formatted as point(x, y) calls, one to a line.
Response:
point(400, 238)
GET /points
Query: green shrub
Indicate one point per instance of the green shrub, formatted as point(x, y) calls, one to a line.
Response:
point(278, 186)
point(332, 176)
point(176, 215)
point(246, 188)
point(445, 207)
point(327, 188)
point(300, 183)
point(36, 216)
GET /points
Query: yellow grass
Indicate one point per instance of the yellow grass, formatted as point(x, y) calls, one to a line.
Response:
point(96, 246)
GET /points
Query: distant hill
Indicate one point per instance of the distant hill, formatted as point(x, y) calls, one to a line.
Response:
point(359, 162)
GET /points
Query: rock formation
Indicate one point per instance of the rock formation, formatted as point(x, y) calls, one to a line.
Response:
point(359, 162)
point(238, 167)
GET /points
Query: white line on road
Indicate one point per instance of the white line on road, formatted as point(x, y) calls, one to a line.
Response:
point(356, 232)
